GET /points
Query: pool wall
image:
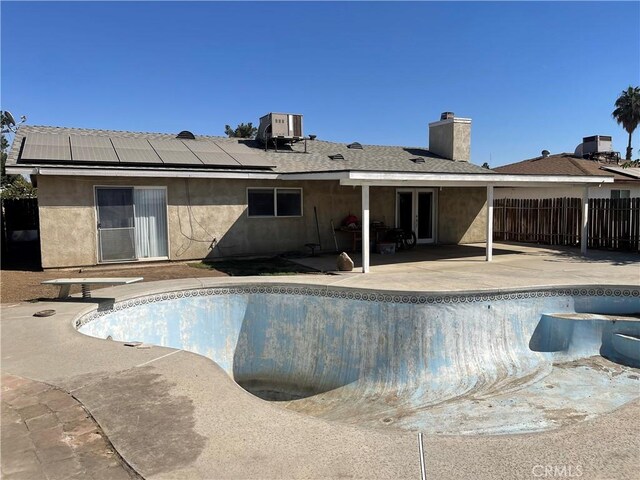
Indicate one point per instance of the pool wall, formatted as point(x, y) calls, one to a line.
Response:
point(418, 348)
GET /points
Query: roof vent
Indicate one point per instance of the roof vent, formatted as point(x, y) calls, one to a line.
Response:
point(545, 153)
point(446, 115)
point(355, 146)
point(338, 156)
point(417, 160)
point(186, 134)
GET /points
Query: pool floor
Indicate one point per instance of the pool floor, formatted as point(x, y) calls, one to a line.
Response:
point(571, 392)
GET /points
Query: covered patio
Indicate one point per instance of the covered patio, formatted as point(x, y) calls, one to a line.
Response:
point(365, 180)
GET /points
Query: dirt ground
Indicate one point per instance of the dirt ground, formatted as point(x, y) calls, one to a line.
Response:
point(21, 286)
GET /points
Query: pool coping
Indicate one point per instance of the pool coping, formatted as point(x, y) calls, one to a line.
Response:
point(216, 287)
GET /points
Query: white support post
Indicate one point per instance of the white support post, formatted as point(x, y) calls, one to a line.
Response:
point(365, 229)
point(585, 221)
point(489, 254)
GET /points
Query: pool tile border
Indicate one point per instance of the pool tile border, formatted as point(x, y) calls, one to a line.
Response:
point(366, 295)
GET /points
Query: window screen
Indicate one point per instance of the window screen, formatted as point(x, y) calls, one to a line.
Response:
point(620, 194)
point(261, 202)
point(275, 202)
point(289, 202)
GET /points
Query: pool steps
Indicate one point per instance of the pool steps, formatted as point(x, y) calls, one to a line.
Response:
point(620, 334)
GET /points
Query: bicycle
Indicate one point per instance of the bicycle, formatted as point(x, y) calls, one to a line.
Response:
point(404, 240)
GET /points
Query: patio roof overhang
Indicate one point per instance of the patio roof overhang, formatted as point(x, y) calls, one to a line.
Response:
point(345, 177)
point(414, 179)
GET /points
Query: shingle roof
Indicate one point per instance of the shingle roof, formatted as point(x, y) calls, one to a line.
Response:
point(633, 172)
point(559, 164)
point(317, 159)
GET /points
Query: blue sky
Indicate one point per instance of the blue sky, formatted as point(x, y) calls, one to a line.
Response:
point(531, 76)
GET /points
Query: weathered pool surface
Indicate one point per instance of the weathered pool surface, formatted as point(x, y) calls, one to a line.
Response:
point(465, 363)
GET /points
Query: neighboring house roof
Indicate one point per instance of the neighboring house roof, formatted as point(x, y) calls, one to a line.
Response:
point(566, 164)
point(49, 146)
point(633, 172)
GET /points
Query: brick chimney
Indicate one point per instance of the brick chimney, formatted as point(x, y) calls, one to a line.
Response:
point(450, 137)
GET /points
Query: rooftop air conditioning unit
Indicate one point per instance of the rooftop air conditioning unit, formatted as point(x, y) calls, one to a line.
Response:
point(593, 145)
point(280, 127)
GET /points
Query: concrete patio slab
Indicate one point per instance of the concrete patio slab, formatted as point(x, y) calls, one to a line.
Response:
point(448, 268)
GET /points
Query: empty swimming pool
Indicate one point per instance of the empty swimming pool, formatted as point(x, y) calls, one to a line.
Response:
point(460, 363)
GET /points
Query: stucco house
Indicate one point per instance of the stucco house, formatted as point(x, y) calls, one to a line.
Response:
point(114, 196)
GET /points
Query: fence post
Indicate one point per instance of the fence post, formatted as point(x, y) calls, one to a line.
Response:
point(585, 220)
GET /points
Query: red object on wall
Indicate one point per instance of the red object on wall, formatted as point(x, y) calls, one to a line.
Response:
point(349, 220)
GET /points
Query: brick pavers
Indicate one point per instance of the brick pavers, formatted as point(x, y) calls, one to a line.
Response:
point(46, 434)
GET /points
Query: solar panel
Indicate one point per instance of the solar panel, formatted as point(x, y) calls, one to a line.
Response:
point(252, 160)
point(46, 146)
point(211, 154)
point(135, 150)
point(234, 146)
point(245, 155)
point(92, 149)
point(174, 152)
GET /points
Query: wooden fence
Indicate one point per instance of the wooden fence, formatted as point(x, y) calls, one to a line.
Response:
point(613, 223)
point(19, 215)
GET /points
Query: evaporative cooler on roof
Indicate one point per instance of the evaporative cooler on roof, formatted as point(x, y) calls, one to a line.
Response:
point(278, 129)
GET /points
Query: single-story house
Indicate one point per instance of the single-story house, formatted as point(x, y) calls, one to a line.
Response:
point(599, 161)
point(114, 196)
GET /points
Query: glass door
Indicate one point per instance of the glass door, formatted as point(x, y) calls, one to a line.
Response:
point(150, 206)
point(115, 224)
point(132, 223)
point(415, 212)
point(424, 216)
point(404, 210)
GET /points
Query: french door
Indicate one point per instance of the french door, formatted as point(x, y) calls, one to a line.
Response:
point(416, 212)
point(132, 223)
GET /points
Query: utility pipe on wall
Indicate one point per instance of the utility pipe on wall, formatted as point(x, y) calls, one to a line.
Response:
point(365, 228)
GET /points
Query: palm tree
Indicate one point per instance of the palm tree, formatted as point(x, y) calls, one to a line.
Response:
point(627, 112)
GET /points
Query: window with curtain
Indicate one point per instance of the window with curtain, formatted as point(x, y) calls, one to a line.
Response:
point(150, 207)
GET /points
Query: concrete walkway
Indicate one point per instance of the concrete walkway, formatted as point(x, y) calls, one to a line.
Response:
point(174, 414)
point(47, 434)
